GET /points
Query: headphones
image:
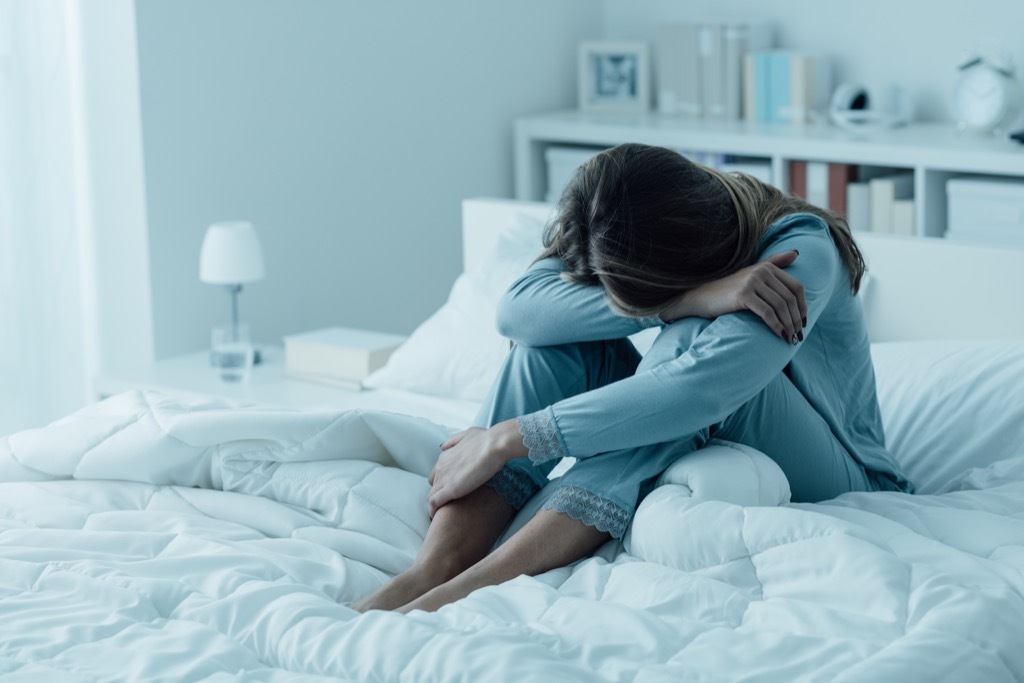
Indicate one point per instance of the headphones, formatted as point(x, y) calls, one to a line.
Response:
point(852, 108)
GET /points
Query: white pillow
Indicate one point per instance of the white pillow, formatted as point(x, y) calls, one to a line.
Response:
point(950, 406)
point(457, 351)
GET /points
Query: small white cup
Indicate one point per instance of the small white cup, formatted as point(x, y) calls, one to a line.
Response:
point(232, 353)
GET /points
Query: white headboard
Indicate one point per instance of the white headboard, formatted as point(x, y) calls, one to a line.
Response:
point(919, 287)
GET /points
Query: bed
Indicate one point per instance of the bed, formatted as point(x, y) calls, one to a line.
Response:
point(153, 537)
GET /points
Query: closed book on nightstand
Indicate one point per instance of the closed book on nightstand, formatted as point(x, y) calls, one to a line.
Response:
point(340, 356)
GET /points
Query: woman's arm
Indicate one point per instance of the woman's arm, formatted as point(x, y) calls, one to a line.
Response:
point(736, 356)
point(733, 358)
point(542, 309)
point(764, 289)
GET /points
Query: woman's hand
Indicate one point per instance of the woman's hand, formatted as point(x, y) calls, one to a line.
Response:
point(764, 289)
point(470, 458)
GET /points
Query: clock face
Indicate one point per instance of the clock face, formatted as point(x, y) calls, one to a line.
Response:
point(981, 98)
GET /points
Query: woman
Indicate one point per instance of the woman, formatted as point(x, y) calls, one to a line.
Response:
point(771, 358)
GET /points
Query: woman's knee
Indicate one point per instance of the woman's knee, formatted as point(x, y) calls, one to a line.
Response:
point(535, 377)
point(575, 367)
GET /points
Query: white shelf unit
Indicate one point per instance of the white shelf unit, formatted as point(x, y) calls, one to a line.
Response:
point(934, 152)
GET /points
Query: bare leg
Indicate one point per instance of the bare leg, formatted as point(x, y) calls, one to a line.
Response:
point(459, 535)
point(551, 539)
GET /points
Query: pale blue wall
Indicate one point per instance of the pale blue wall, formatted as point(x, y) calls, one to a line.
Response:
point(348, 132)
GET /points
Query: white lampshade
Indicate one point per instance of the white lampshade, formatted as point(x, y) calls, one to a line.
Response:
point(231, 254)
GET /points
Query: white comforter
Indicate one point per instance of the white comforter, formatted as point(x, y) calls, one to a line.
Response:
point(149, 539)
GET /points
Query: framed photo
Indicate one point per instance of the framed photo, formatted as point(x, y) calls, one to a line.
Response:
point(614, 77)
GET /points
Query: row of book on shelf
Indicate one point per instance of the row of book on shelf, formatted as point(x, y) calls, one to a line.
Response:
point(731, 71)
point(870, 200)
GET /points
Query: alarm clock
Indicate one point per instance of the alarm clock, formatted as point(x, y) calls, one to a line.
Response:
point(987, 94)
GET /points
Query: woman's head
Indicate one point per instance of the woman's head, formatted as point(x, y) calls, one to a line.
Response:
point(647, 224)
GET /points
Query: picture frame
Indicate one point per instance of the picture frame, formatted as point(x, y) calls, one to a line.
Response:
point(614, 76)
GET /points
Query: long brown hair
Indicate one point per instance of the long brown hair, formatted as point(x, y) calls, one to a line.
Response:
point(648, 224)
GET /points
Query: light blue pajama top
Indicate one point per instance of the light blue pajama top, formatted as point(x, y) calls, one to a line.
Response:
point(731, 361)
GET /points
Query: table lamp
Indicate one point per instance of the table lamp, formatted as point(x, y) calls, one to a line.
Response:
point(231, 256)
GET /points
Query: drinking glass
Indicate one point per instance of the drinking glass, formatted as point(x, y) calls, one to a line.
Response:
point(232, 353)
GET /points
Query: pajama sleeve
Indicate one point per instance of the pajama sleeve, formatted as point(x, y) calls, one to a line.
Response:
point(732, 359)
point(542, 309)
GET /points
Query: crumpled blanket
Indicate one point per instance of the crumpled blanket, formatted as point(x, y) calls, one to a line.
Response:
point(150, 538)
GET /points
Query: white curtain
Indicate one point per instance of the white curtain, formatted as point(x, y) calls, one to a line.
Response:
point(45, 352)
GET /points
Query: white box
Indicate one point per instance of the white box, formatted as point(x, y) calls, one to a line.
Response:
point(985, 209)
point(561, 163)
point(338, 355)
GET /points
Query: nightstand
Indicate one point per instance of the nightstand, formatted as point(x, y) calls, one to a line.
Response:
point(191, 374)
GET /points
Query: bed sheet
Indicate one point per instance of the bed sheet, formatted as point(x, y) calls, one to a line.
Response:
point(151, 538)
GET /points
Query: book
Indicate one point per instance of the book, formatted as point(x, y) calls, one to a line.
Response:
point(817, 184)
point(858, 205)
point(688, 89)
point(884, 191)
point(710, 46)
point(823, 184)
point(701, 68)
point(738, 39)
point(902, 220)
point(785, 86)
point(338, 354)
point(750, 103)
point(810, 87)
point(779, 83)
point(762, 85)
point(839, 177)
point(798, 179)
point(666, 70)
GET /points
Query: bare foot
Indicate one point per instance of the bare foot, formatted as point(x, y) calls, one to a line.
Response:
point(407, 586)
point(461, 533)
point(551, 539)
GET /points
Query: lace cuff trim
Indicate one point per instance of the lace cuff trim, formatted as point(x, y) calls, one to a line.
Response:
point(591, 509)
point(540, 436)
point(515, 486)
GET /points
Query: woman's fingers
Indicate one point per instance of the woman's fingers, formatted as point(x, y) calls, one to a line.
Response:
point(789, 313)
point(783, 260)
point(454, 439)
point(797, 289)
point(775, 312)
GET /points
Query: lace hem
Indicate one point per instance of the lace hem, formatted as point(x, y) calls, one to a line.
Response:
point(540, 436)
point(515, 486)
point(591, 509)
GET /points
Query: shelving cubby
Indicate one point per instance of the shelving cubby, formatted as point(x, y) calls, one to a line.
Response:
point(934, 152)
